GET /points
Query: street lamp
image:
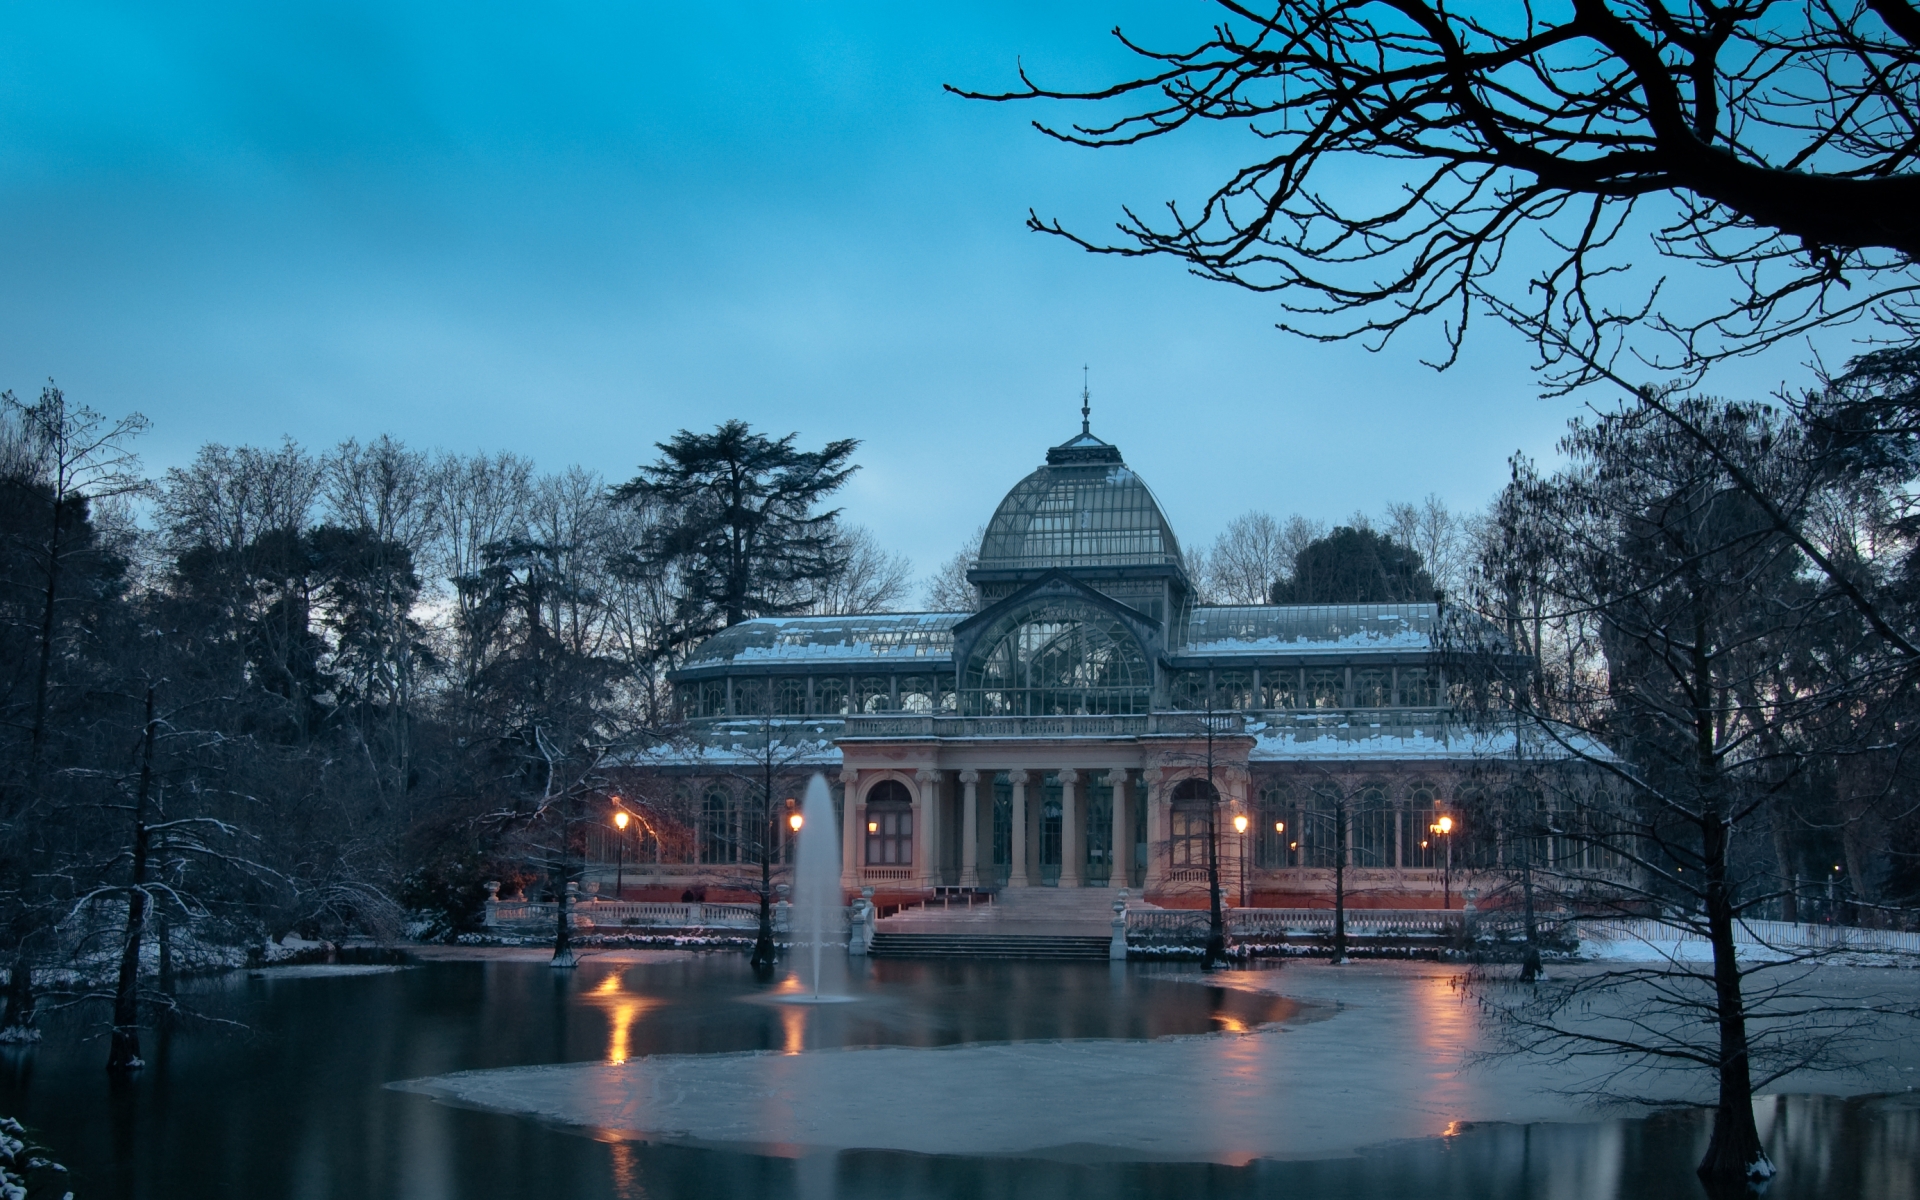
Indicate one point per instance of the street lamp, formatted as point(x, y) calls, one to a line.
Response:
point(620, 822)
point(1240, 827)
point(1444, 828)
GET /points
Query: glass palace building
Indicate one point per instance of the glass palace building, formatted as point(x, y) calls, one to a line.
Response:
point(1083, 725)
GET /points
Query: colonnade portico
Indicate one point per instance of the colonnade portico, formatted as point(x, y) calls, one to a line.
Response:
point(1052, 802)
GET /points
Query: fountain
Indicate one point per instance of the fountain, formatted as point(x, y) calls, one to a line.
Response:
point(817, 907)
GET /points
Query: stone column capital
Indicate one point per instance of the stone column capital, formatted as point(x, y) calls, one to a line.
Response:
point(1154, 775)
point(849, 776)
point(926, 775)
point(1018, 777)
point(969, 777)
point(1068, 775)
point(1116, 777)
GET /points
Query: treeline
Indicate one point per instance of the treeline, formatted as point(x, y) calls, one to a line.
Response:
point(281, 691)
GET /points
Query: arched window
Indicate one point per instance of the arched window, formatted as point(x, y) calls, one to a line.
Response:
point(719, 827)
point(1326, 688)
point(791, 698)
point(1282, 687)
point(872, 693)
point(750, 696)
point(1058, 658)
point(1194, 805)
point(1277, 829)
point(889, 824)
point(1372, 689)
point(1416, 826)
point(829, 694)
point(1372, 827)
point(1419, 687)
point(1233, 689)
point(916, 694)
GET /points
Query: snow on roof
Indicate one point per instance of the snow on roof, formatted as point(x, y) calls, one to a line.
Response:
point(1309, 628)
point(1281, 741)
point(886, 636)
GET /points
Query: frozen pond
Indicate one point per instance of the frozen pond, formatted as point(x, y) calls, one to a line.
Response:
point(669, 1075)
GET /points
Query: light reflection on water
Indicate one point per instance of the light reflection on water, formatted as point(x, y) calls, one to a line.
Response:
point(299, 1108)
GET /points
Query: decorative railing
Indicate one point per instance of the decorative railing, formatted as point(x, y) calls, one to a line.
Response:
point(1280, 924)
point(625, 914)
point(887, 874)
point(909, 725)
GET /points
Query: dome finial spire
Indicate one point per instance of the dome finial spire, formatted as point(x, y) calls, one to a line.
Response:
point(1086, 404)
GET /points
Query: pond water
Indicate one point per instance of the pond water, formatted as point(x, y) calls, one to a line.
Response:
point(299, 1102)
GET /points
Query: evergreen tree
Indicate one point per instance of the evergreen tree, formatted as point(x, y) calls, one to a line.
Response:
point(739, 521)
point(1355, 566)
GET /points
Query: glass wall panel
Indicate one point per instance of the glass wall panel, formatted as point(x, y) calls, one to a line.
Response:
point(872, 693)
point(750, 696)
point(1419, 687)
point(916, 694)
point(889, 825)
point(829, 694)
point(719, 827)
point(1097, 858)
point(1002, 829)
point(713, 697)
point(1233, 689)
point(790, 697)
point(1280, 687)
point(1189, 691)
point(1325, 688)
point(1372, 689)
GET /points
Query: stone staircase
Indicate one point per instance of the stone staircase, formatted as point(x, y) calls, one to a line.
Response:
point(1033, 923)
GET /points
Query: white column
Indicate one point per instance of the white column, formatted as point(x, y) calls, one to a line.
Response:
point(852, 829)
point(1122, 847)
point(925, 843)
point(1017, 876)
point(970, 829)
point(1156, 876)
point(1072, 848)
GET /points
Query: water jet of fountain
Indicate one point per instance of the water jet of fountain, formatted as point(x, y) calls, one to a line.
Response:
point(816, 872)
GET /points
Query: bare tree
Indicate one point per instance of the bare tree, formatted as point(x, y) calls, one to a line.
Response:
point(1660, 602)
point(1438, 536)
point(873, 580)
point(1247, 559)
point(947, 589)
point(1773, 146)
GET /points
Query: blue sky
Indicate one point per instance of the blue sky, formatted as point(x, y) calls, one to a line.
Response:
point(569, 229)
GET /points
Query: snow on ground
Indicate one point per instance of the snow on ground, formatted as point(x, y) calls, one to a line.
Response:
point(324, 970)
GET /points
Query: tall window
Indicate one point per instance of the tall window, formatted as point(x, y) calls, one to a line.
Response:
point(1189, 690)
point(750, 696)
point(719, 827)
point(1419, 687)
point(1194, 801)
point(791, 698)
point(1416, 827)
point(1372, 827)
point(872, 693)
point(889, 824)
point(916, 694)
point(1278, 828)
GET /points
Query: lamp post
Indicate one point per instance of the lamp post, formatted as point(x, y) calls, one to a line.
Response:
point(620, 821)
point(1240, 827)
point(1443, 828)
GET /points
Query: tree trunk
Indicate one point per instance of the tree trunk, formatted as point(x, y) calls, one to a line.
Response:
point(1530, 957)
point(563, 955)
point(1339, 884)
point(45, 649)
point(1735, 1153)
point(123, 1049)
point(19, 1023)
point(763, 942)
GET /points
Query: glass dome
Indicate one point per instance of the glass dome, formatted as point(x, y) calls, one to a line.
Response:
point(1085, 508)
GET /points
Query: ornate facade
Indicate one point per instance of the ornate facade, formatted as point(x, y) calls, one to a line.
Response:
point(1089, 724)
